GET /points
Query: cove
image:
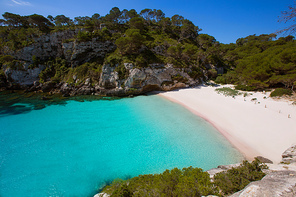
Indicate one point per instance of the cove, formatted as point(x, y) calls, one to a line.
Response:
point(75, 148)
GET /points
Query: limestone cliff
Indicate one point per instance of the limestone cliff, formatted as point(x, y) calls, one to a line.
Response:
point(31, 61)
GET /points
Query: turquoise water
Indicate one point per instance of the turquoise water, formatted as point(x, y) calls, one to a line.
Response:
point(73, 149)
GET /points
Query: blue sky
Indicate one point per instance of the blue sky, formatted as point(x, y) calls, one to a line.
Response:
point(226, 20)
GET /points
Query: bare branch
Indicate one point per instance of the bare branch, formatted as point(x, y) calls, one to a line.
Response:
point(288, 16)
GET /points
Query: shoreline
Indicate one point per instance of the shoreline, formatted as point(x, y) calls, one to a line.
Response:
point(246, 151)
point(255, 128)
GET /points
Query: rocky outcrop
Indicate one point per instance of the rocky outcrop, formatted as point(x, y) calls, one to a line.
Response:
point(80, 52)
point(109, 78)
point(48, 45)
point(263, 159)
point(64, 44)
point(24, 75)
point(221, 168)
point(141, 80)
point(274, 184)
point(101, 195)
point(289, 156)
point(137, 81)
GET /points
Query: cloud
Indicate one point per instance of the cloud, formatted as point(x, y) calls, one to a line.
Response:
point(20, 3)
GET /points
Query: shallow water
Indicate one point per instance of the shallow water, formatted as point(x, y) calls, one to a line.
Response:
point(74, 148)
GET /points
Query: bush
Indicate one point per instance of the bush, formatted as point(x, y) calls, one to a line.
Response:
point(244, 88)
point(227, 91)
point(5, 59)
point(212, 73)
point(179, 78)
point(186, 182)
point(280, 92)
point(84, 36)
point(236, 179)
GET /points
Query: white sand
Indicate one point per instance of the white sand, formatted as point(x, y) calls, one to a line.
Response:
point(263, 129)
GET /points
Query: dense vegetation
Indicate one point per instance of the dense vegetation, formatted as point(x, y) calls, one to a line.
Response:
point(188, 182)
point(148, 37)
point(259, 62)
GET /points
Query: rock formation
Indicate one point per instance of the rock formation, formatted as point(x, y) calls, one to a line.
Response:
point(65, 45)
point(274, 184)
point(289, 156)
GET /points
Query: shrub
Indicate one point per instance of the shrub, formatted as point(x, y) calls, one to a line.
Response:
point(280, 92)
point(84, 36)
point(186, 182)
point(244, 88)
point(235, 179)
point(5, 59)
point(179, 78)
point(212, 73)
point(227, 91)
point(196, 73)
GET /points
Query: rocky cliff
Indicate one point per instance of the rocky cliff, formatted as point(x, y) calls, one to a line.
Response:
point(32, 60)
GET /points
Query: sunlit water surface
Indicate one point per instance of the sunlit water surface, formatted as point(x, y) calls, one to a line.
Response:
point(74, 148)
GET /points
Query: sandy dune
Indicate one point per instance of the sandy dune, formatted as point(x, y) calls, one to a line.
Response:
point(264, 126)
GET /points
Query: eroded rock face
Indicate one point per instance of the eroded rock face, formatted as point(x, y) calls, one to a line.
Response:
point(279, 183)
point(63, 44)
point(141, 80)
point(289, 156)
point(23, 75)
point(109, 77)
point(138, 81)
point(49, 45)
point(136, 78)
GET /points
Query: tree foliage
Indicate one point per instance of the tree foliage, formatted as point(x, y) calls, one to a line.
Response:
point(188, 182)
point(259, 62)
point(236, 179)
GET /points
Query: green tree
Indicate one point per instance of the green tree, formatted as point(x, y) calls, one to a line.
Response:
point(130, 44)
point(62, 20)
point(165, 24)
point(177, 20)
point(137, 23)
point(15, 20)
point(188, 30)
point(42, 23)
point(236, 179)
point(146, 14)
point(96, 18)
point(113, 16)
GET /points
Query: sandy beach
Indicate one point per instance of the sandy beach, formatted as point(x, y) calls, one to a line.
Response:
point(256, 125)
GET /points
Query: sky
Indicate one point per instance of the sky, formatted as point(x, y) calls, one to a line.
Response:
point(226, 20)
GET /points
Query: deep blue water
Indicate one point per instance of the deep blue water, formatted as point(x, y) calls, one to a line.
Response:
point(74, 148)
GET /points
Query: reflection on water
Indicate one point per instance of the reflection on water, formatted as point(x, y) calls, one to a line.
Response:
point(18, 102)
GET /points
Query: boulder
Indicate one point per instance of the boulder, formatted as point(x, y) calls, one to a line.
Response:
point(101, 195)
point(263, 159)
point(289, 156)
